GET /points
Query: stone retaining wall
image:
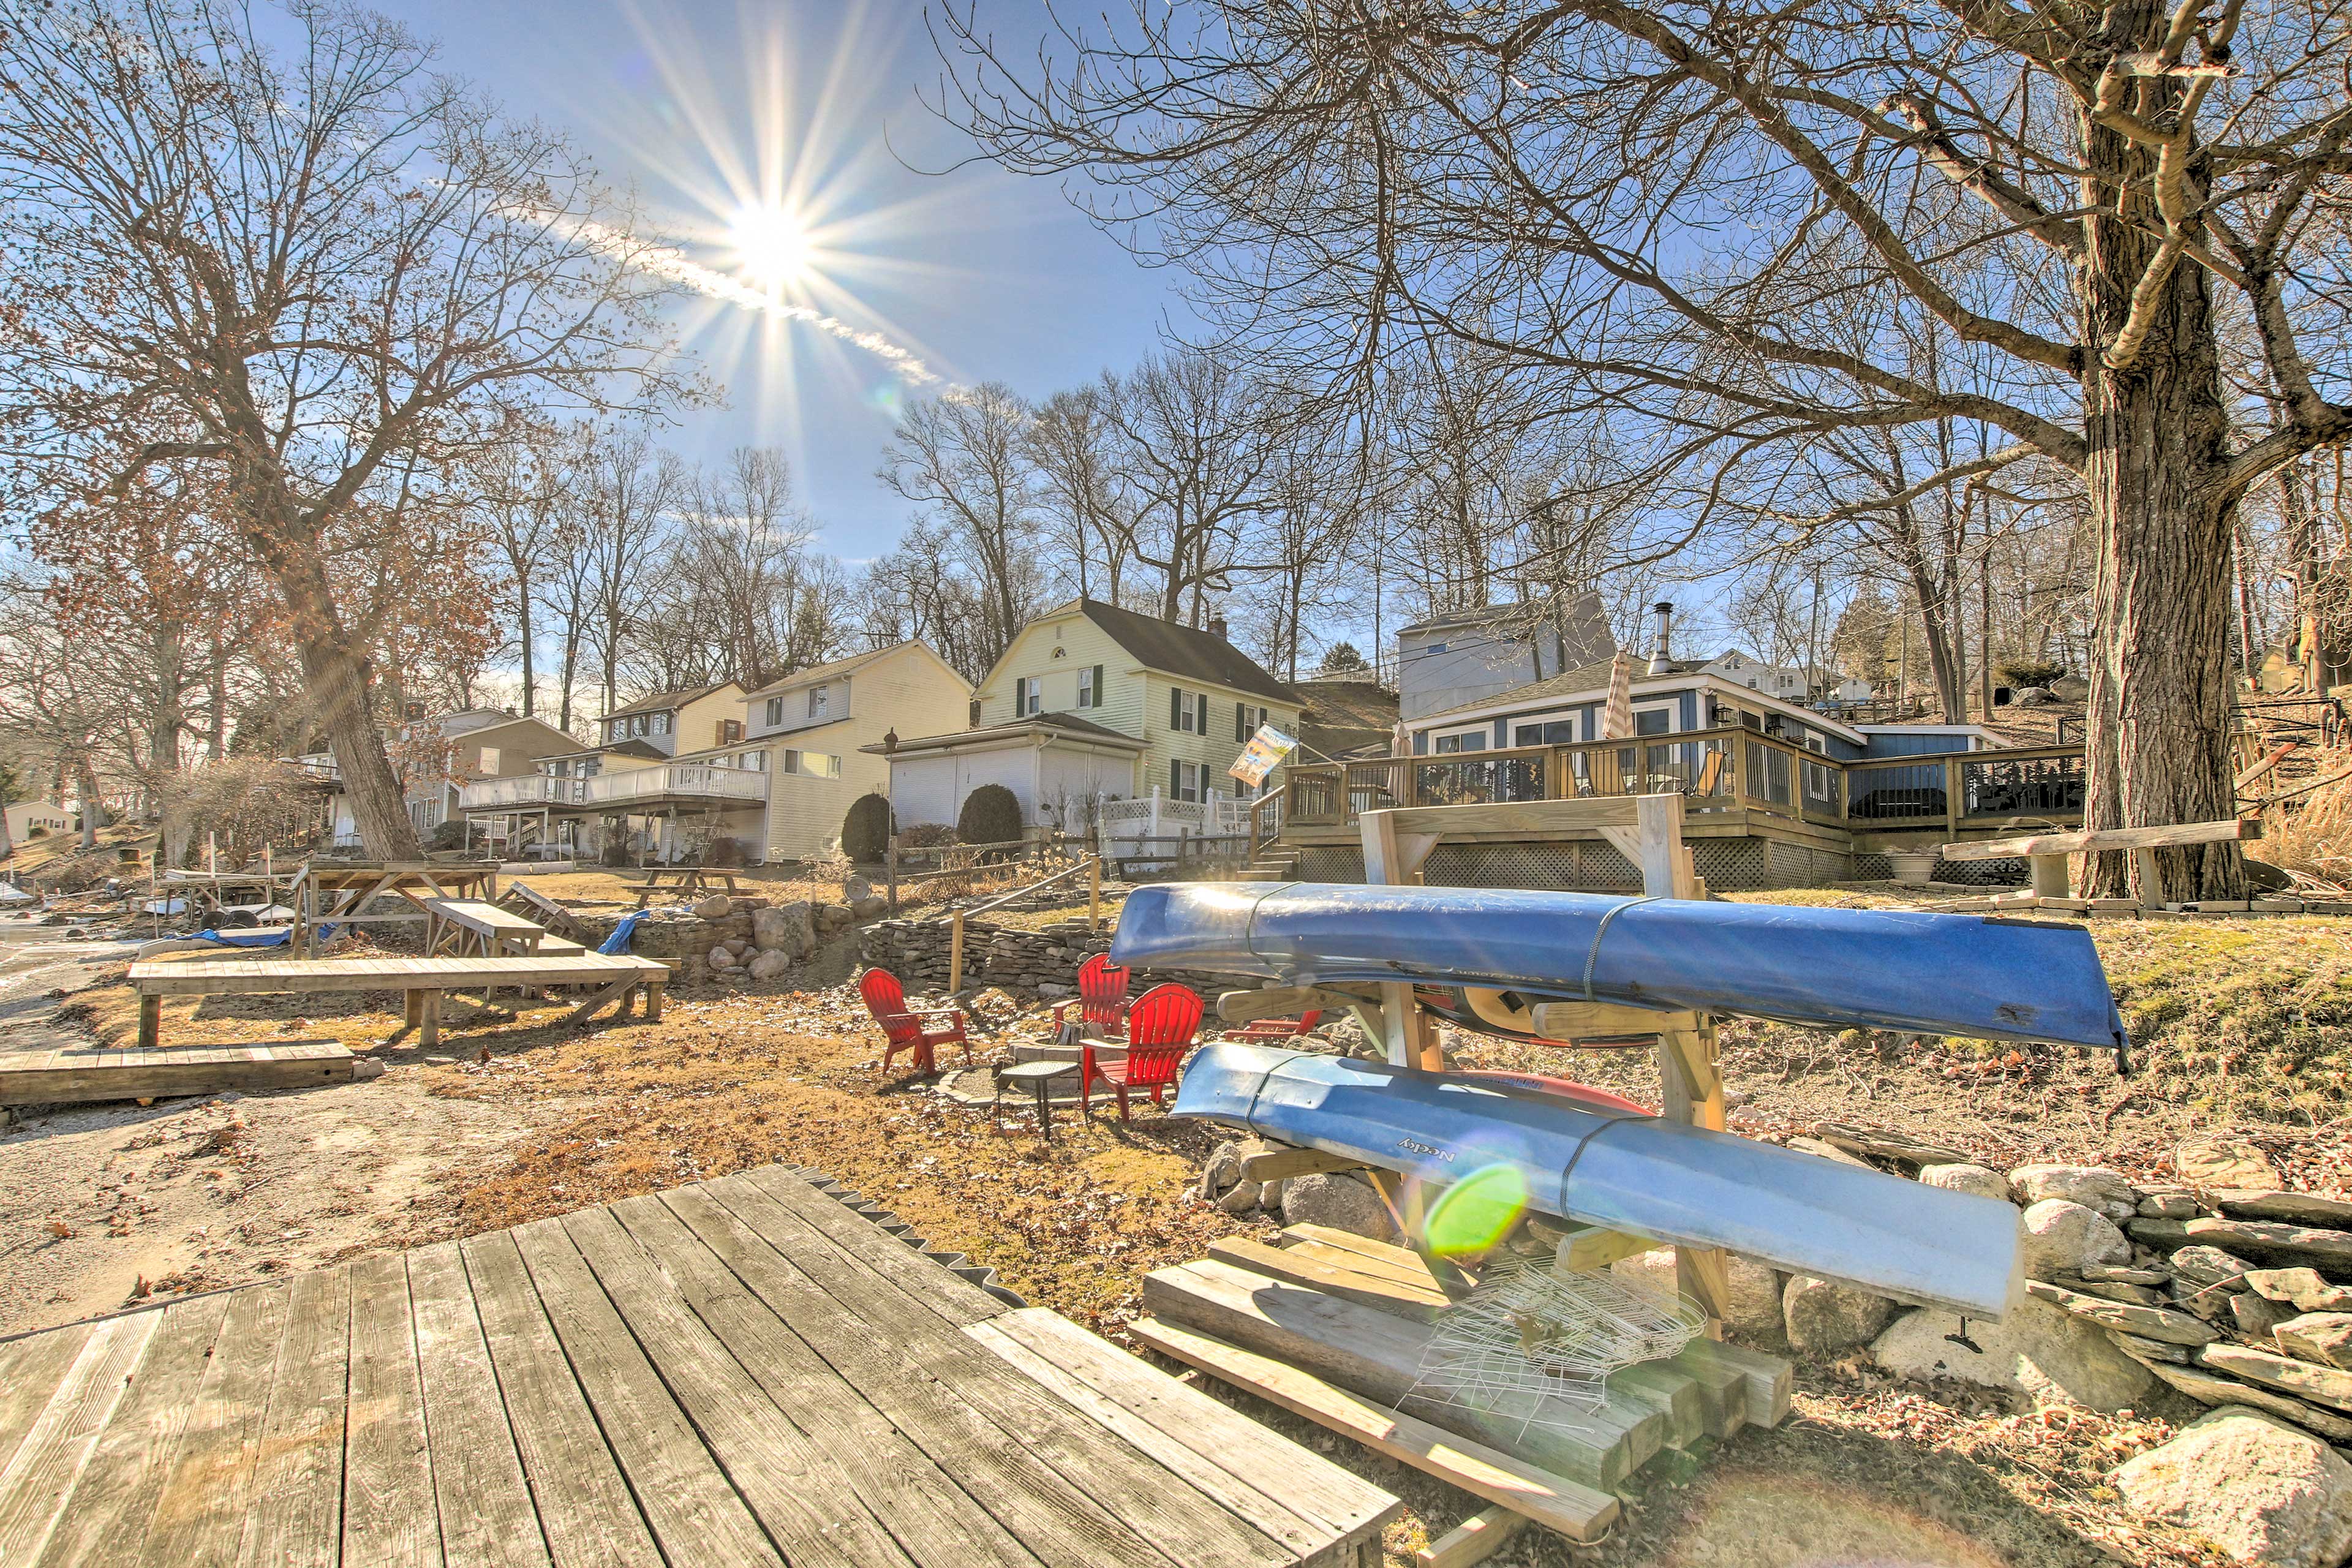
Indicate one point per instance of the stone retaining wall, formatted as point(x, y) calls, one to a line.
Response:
point(1042, 961)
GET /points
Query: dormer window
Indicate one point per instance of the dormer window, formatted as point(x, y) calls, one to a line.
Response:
point(816, 700)
point(775, 711)
point(661, 724)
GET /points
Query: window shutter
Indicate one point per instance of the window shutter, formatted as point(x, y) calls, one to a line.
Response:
point(1175, 779)
point(1241, 722)
point(1175, 709)
point(1098, 689)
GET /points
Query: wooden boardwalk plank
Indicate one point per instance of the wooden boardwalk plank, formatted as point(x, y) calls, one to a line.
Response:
point(48, 1462)
point(695, 1513)
point(485, 1509)
point(584, 1507)
point(199, 1509)
point(71, 1076)
point(389, 1521)
point(297, 1487)
point(1177, 1520)
point(930, 1515)
point(799, 1491)
point(126, 1472)
point(30, 1370)
point(948, 1294)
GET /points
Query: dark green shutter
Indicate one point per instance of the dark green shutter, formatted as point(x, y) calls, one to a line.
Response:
point(1175, 708)
point(1099, 690)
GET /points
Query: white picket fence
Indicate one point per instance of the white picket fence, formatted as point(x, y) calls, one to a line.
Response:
point(1143, 825)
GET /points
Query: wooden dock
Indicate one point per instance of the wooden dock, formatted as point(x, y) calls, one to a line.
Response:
point(746, 1371)
point(79, 1073)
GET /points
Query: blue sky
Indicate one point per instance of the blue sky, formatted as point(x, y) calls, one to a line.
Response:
point(982, 274)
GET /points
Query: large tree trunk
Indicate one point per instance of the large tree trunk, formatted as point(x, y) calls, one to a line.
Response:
point(338, 680)
point(522, 633)
point(93, 814)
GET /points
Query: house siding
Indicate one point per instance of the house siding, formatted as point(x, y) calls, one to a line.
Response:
point(908, 690)
point(1217, 748)
point(1084, 645)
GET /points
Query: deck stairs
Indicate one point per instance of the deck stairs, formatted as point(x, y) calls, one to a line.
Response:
point(1270, 865)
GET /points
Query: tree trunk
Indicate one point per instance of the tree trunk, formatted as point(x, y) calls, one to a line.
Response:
point(93, 814)
point(339, 679)
point(1945, 666)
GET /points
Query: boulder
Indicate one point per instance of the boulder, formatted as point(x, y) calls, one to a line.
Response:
point(2036, 1350)
point(2169, 1205)
point(2300, 1288)
point(772, 964)
point(2093, 1186)
point(721, 959)
point(717, 906)
point(1825, 1316)
point(2206, 1162)
point(2059, 1236)
point(1340, 1201)
point(788, 928)
point(1753, 1313)
point(831, 917)
point(2322, 1337)
point(1242, 1197)
point(2034, 697)
point(1973, 1179)
point(869, 907)
point(2258, 1488)
point(1223, 1169)
point(736, 945)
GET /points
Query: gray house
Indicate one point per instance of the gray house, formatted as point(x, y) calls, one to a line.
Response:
point(1457, 658)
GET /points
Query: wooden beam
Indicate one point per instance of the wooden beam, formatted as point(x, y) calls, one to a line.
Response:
point(1580, 1512)
point(1284, 1001)
point(1472, 1541)
point(2092, 840)
point(1304, 1266)
point(955, 954)
point(70, 1076)
point(1607, 1021)
point(1281, 1164)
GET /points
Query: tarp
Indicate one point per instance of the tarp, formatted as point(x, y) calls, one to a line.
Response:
point(1968, 975)
point(617, 944)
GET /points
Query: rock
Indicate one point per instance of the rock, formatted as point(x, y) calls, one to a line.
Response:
point(788, 929)
point(2169, 1205)
point(2255, 1317)
point(2124, 1274)
point(717, 906)
point(2150, 1353)
point(2114, 1290)
point(1753, 1313)
point(1269, 1196)
point(1053, 989)
point(2038, 1351)
point(1823, 1315)
point(1340, 1201)
point(1974, 1179)
point(772, 964)
point(2300, 1288)
point(2207, 1389)
point(2326, 1385)
point(2252, 1484)
point(737, 945)
point(2290, 1245)
point(2093, 1186)
point(2294, 1208)
point(2208, 1266)
point(2034, 697)
point(870, 907)
point(2322, 1337)
point(721, 959)
point(2209, 1163)
point(1223, 1169)
point(2147, 1323)
point(831, 917)
point(1828, 1151)
point(1241, 1197)
point(2057, 1237)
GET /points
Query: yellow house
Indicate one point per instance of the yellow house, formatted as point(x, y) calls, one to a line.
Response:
point(1091, 702)
point(822, 729)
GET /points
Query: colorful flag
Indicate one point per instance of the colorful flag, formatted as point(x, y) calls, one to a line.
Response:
point(1265, 750)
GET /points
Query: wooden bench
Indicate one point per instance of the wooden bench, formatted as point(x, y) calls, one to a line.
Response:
point(2045, 853)
point(682, 879)
point(424, 979)
point(469, 927)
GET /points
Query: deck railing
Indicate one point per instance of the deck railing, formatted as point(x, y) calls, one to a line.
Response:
point(616, 788)
point(1714, 770)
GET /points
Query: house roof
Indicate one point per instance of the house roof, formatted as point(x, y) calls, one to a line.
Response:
point(661, 701)
point(1357, 705)
point(644, 749)
point(1591, 684)
point(1183, 650)
point(827, 671)
point(1068, 724)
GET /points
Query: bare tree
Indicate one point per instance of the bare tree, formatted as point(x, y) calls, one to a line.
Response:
point(628, 488)
point(1196, 444)
point(522, 489)
point(963, 458)
point(1073, 443)
point(300, 270)
point(2104, 208)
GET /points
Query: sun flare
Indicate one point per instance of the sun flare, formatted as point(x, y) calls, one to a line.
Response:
point(771, 245)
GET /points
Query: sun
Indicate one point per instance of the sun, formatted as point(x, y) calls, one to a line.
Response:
point(771, 245)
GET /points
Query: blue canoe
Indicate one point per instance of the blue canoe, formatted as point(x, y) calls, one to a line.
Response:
point(1970, 975)
point(1635, 1174)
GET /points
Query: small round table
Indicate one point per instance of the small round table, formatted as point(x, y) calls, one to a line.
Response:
point(1040, 1076)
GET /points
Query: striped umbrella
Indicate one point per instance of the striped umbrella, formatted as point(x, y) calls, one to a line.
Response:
point(1617, 718)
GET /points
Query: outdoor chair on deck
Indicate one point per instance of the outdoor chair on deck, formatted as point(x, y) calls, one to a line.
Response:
point(904, 1029)
point(1272, 1031)
point(1161, 1028)
point(1101, 1005)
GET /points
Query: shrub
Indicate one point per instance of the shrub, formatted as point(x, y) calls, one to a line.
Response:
point(865, 831)
point(990, 815)
point(923, 835)
point(2021, 672)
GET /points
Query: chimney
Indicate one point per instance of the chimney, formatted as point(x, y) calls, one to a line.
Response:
point(1661, 661)
point(890, 739)
point(1217, 628)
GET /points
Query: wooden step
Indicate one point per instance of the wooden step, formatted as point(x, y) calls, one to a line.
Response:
point(91, 1073)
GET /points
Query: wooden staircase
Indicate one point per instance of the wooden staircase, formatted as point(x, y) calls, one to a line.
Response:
point(1274, 864)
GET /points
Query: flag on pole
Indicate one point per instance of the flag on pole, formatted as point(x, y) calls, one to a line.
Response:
point(1265, 749)
point(1617, 718)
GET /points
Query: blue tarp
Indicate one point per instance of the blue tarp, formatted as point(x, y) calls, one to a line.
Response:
point(615, 945)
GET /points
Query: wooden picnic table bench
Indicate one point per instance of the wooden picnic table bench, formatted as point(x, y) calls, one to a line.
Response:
point(424, 980)
point(335, 892)
point(683, 880)
point(468, 927)
point(2045, 853)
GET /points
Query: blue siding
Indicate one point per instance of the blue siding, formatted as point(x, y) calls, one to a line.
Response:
point(1914, 745)
point(1840, 748)
point(1421, 742)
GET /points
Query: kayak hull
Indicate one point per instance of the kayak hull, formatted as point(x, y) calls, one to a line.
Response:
point(1635, 1174)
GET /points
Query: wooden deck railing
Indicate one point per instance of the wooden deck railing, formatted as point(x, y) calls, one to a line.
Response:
point(1716, 772)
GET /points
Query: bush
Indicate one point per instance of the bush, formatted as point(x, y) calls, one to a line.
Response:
point(865, 831)
point(990, 815)
point(923, 835)
point(2021, 672)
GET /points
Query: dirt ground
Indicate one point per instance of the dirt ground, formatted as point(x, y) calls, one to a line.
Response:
point(515, 1117)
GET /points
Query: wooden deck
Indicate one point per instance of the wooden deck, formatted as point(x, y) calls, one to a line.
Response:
point(78, 1073)
point(746, 1371)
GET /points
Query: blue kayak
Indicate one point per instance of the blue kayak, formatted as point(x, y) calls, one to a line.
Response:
point(1975, 976)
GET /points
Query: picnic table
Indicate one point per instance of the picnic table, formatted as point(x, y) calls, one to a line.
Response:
point(334, 892)
point(682, 879)
point(466, 927)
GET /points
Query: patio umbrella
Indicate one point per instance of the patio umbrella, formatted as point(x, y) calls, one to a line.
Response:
point(1617, 718)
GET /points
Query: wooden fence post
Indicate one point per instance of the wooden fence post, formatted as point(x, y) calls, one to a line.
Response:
point(1094, 893)
point(890, 869)
point(955, 954)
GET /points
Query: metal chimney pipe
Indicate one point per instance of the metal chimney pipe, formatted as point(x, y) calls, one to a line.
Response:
point(1661, 661)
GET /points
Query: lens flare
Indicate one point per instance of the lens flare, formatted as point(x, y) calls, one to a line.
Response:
point(771, 245)
point(1470, 1217)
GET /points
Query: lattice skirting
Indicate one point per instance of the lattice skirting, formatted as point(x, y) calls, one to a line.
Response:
point(1728, 865)
point(1877, 867)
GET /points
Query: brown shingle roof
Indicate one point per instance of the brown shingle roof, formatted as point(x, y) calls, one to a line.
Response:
point(660, 701)
point(1184, 650)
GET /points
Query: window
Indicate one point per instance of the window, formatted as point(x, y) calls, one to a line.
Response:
point(1241, 722)
point(1180, 711)
point(1653, 722)
point(756, 762)
point(792, 761)
point(1476, 740)
point(661, 724)
point(1090, 686)
point(729, 731)
point(1550, 732)
point(775, 711)
point(1186, 781)
point(816, 700)
point(821, 764)
point(1028, 695)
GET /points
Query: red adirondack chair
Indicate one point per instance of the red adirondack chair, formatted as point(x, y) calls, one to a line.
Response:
point(1161, 1027)
point(903, 1029)
point(1102, 1000)
point(1273, 1031)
